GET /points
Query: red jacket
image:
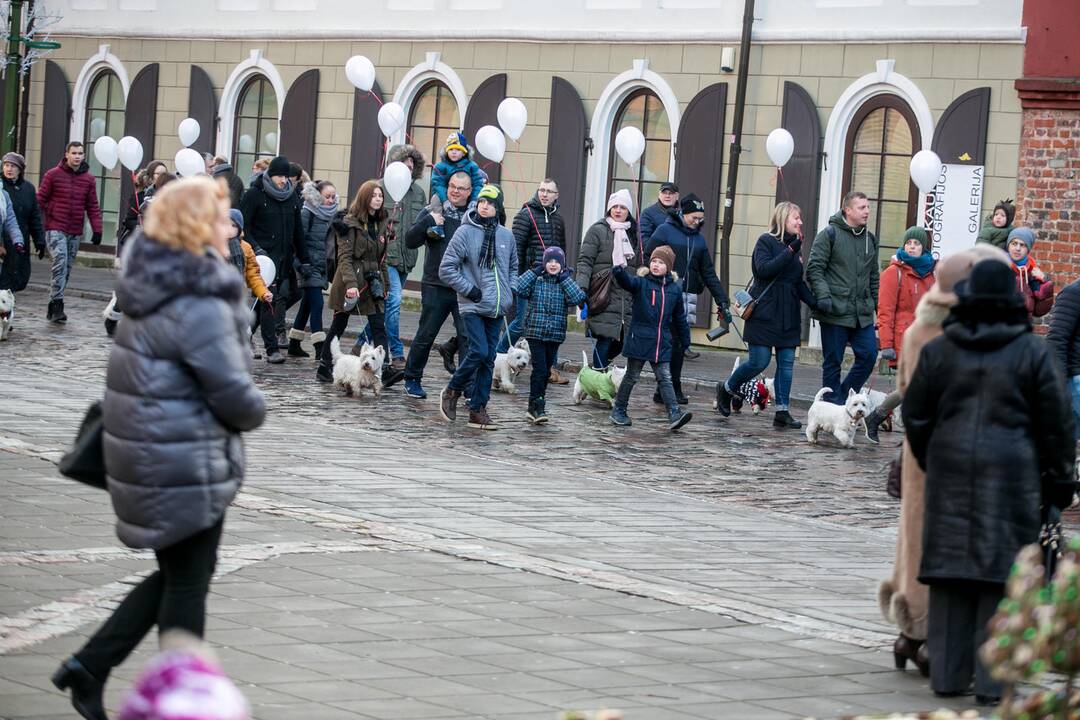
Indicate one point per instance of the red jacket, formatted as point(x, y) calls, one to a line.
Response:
point(65, 195)
point(1038, 296)
point(899, 293)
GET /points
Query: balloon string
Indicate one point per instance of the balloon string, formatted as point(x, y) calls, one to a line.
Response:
point(783, 185)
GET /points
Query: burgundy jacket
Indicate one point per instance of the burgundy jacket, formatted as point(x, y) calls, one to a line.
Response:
point(65, 195)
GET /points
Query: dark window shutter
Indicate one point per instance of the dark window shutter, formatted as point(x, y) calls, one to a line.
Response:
point(55, 124)
point(365, 160)
point(202, 107)
point(962, 129)
point(698, 162)
point(298, 121)
point(483, 110)
point(140, 122)
point(567, 134)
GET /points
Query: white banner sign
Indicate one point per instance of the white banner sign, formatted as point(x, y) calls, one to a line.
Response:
point(955, 208)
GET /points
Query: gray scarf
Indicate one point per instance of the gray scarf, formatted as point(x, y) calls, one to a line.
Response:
point(279, 194)
point(219, 169)
point(453, 212)
point(236, 254)
point(325, 213)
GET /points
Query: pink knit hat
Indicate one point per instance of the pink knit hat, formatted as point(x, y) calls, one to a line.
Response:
point(184, 685)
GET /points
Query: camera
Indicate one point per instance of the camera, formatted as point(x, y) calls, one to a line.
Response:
point(718, 332)
point(375, 286)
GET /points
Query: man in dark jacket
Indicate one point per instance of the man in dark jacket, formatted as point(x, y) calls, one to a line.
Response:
point(537, 226)
point(843, 272)
point(16, 268)
point(223, 169)
point(1064, 341)
point(272, 225)
point(987, 417)
point(68, 193)
point(666, 205)
point(437, 299)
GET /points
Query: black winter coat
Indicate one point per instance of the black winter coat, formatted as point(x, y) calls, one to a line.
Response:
point(777, 317)
point(178, 393)
point(693, 260)
point(417, 237)
point(274, 226)
point(658, 314)
point(989, 420)
point(534, 217)
point(1064, 335)
point(15, 270)
point(653, 217)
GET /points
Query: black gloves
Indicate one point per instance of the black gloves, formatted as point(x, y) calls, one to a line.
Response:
point(96, 238)
point(725, 310)
point(825, 306)
point(40, 252)
point(795, 246)
point(565, 273)
point(475, 295)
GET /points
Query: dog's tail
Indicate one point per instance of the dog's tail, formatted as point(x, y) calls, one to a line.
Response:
point(335, 349)
point(821, 393)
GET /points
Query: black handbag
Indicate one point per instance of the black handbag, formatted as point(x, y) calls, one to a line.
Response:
point(85, 461)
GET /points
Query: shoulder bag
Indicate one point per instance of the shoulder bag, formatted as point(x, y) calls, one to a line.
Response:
point(85, 461)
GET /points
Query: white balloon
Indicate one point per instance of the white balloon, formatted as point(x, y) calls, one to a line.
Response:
point(512, 117)
point(630, 143)
point(391, 118)
point(491, 143)
point(925, 170)
point(105, 151)
point(266, 269)
point(97, 127)
point(780, 146)
point(188, 131)
point(246, 144)
point(360, 72)
point(397, 179)
point(130, 151)
point(270, 141)
point(189, 163)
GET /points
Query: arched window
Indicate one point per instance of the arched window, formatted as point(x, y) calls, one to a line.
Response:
point(881, 139)
point(256, 134)
point(432, 117)
point(105, 116)
point(645, 111)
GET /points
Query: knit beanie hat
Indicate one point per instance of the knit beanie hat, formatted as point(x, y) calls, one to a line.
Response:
point(917, 233)
point(456, 141)
point(1024, 234)
point(184, 685)
point(493, 195)
point(665, 253)
point(691, 204)
point(990, 282)
point(16, 159)
point(957, 267)
point(621, 197)
point(237, 218)
point(1007, 207)
point(554, 253)
point(279, 166)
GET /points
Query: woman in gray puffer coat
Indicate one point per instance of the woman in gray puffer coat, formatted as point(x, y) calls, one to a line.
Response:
point(178, 395)
point(320, 209)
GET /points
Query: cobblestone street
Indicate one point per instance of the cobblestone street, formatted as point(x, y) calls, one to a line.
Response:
point(380, 563)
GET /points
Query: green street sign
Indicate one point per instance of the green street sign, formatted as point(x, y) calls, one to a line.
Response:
point(41, 44)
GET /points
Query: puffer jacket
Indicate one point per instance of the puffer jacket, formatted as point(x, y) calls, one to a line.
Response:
point(418, 237)
point(316, 238)
point(66, 195)
point(595, 257)
point(549, 299)
point(274, 226)
point(899, 291)
point(460, 268)
point(445, 168)
point(1064, 335)
point(361, 249)
point(178, 394)
point(843, 267)
point(998, 237)
point(534, 218)
point(693, 261)
point(988, 418)
point(653, 217)
point(403, 214)
point(252, 276)
point(1038, 294)
point(658, 314)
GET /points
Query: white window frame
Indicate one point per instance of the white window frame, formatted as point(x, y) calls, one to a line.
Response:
point(409, 89)
point(99, 61)
point(256, 64)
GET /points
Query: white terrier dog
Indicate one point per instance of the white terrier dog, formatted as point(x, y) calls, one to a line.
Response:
point(509, 364)
point(355, 373)
point(840, 420)
point(7, 312)
point(607, 382)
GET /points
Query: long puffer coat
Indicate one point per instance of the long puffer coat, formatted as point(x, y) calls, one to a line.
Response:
point(899, 291)
point(178, 394)
point(988, 418)
point(777, 317)
point(595, 257)
point(361, 255)
point(317, 236)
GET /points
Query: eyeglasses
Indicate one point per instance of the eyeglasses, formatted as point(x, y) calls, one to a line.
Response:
point(461, 188)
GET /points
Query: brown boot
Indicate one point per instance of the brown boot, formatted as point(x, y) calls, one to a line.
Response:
point(555, 378)
point(480, 420)
point(448, 404)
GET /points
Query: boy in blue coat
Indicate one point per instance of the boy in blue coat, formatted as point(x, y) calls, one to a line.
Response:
point(455, 158)
point(658, 313)
point(550, 291)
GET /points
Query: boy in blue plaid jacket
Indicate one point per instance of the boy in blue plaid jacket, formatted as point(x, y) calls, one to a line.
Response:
point(550, 292)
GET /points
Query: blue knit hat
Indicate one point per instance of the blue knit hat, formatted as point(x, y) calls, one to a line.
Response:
point(1024, 234)
point(237, 218)
point(553, 252)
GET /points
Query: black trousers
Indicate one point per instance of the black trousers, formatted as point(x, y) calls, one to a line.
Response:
point(959, 613)
point(377, 321)
point(544, 354)
point(678, 353)
point(173, 596)
point(436, 304)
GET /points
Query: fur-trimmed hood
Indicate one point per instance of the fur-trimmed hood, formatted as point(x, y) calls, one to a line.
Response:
point(311, 195)
point(398, 153)
point(934, 306)
point(644, 270)
point(155, 275)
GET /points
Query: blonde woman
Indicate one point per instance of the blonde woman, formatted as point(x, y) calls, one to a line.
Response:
point(776, 323)
point(178, 394)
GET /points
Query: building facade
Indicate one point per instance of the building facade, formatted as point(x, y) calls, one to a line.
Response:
point(861, 85)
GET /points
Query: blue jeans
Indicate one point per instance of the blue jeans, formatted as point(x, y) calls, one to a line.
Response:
point(760, 355)
point(864, 344)
point(311, 307)
point(392, 313)
point(1074, 388)
point(62, 249)
point(606, 350)
point(513, 333)
point(479, 363)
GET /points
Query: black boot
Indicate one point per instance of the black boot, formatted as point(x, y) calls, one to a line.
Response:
point(873, 420)
point(86, 690)
point(58, 313)
point(447, 351)
point(295, 350)
point(783, 419)
point(390, 376)
point(51, 311)
point(723, 399)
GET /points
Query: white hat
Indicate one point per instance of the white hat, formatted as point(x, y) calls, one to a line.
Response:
point(621, 197)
